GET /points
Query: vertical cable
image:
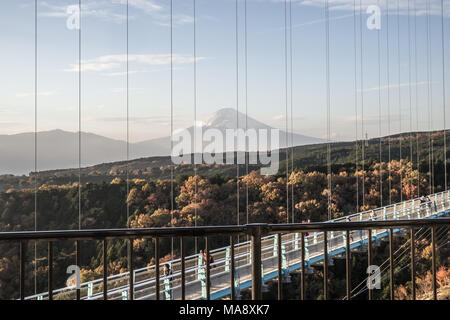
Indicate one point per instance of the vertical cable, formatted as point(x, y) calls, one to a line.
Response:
point(362, 103)
point(327, 57)
point(128, 118)
point(399, 99)
point(430, 160)
point(410, 100)
point(443, 94)
point(171, 124)
point(388, 100)
point(286, 101)
point(430, 99)
point(379, 112)
point(417, 99)
point(129, 243)
point(195, 115)
point(35, 138)
point(237, 110)
point(356, 103)
point(246, 107)
point(79, 117)
point(292, 111)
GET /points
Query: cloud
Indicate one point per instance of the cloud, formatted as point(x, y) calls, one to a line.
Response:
point(40, 94)
point(159, 120)
point(113, 11)
point(113, 62)
point(348, 5)
point(395, 86)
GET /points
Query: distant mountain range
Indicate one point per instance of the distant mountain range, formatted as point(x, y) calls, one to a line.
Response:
point(58, 149)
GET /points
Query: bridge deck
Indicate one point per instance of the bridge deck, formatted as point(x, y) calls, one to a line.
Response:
point(170, 286)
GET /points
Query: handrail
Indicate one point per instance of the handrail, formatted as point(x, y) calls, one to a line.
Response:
point(339, 224)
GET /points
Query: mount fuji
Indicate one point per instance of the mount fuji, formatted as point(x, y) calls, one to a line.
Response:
point(58, 149)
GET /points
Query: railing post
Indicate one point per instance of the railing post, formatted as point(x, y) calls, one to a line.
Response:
point(275, 245)
point(78, 263)
point(131, 269)
point(391, 263)
point(348, 281)
point(202, 276)
point(22, 253)
point(302, 276)
point(413, 266)
point(50, 270)
point(280, 267)
point(199, 264)
point(167, 290)
point(227, 259)
point(183, 268)
point(208, 270)
point(284, 258)
point(256, 231)
point(433, 261)
point(157, 268)
point(233, 270)
point(325, 265)
point(306, 249)
point(105, 269)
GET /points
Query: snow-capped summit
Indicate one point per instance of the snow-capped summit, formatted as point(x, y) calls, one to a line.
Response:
point(229, 118)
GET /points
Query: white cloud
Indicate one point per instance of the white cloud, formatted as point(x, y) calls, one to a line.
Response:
point(395, 86)
point(114, 11)
point(40, 94)
point(348, 5)
point(112, 62)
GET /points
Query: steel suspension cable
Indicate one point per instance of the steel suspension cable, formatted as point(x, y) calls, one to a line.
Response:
point(388, 101)
point(292, 111)
point(128, 112)
point(399, 259)
point(379, 113)
point(195, 116)
point(35, 136)
point(286, 107)
point(237, 108)
point(79, 117)
point(402, 251)
point(328, 102)
point(403, 248)
point(444, 93)
point(410, 101)
point(417, 98)
point(246, 108)
point(430, 101)
point(399, 99)
point(363, 141)
point(356, 103)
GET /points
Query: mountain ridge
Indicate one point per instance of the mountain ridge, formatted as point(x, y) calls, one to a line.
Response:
point(58, 149)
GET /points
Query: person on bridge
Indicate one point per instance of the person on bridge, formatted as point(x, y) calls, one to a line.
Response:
point(306, 221)
point(167, 270)
point(211, 259)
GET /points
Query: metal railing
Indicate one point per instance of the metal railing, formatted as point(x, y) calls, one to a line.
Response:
point(264, 254)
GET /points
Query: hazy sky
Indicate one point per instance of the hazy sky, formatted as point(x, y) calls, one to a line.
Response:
point(104, 64)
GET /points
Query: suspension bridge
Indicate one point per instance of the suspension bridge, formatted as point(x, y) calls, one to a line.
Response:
point(144, 279)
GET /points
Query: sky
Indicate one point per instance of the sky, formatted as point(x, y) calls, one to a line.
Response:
point(103, 59)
